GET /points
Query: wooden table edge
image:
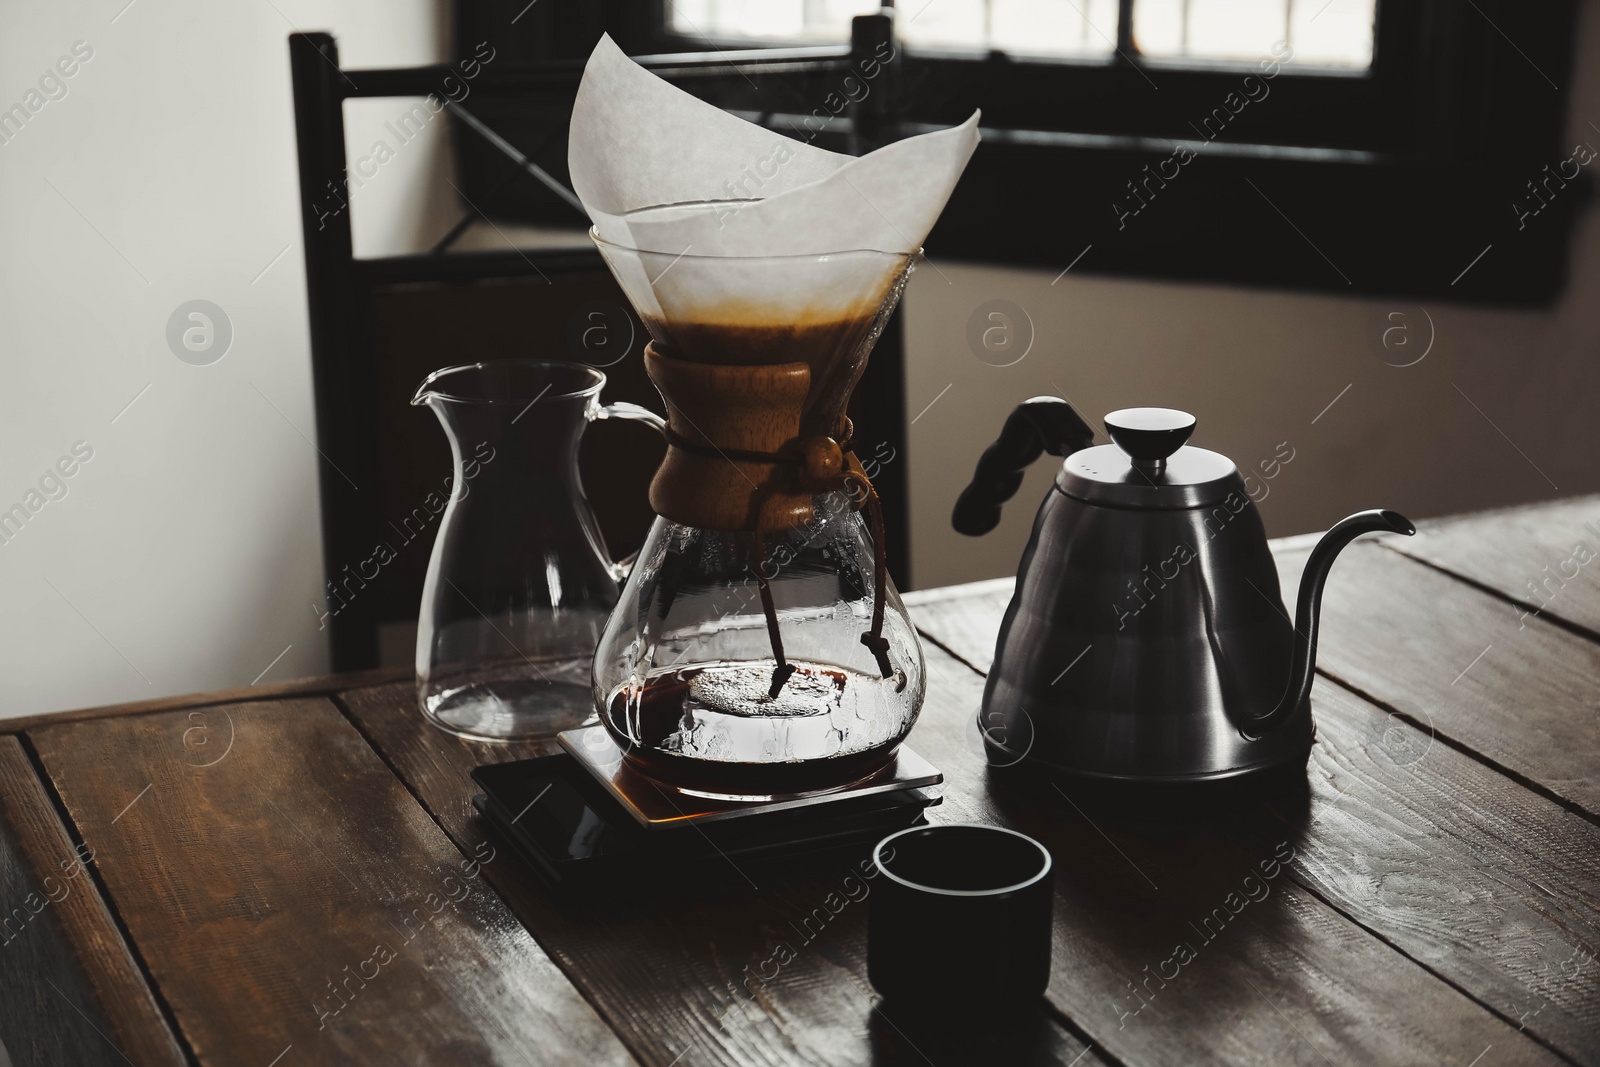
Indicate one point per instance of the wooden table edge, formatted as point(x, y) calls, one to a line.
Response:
point(318, 685)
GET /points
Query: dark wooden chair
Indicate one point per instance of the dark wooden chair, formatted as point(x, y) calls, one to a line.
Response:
point(379, 325)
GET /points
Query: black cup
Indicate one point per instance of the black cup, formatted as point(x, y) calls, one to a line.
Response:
point(960, 919)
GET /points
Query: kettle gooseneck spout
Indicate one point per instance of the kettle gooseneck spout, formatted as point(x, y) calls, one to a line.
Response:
point(1303, 663)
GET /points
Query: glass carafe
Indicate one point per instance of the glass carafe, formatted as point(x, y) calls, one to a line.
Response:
point(689, 680)
point(519, 585)
point(759, 647)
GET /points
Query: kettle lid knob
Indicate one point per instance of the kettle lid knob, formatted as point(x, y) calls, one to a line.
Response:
point(1149, 435)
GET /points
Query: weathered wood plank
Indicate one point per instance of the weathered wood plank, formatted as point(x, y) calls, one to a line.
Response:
point(684, 979)
point(1480, 879)
point(1547, 556)
point(320, 685)
point(1283, 979)
point(1346, 993)
point(70, 992)
point(287, 893)
point(963, 619)
point(1520, 692)
point(1431, 849)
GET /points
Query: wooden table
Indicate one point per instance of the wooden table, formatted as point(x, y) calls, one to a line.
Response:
point(295, 875)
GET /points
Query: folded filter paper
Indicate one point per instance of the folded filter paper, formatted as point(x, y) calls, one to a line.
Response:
point(800, 267)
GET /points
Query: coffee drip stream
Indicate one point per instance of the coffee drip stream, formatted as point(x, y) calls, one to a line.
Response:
point(759, 644)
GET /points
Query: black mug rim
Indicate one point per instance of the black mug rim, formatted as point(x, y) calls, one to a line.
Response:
point(936, 830)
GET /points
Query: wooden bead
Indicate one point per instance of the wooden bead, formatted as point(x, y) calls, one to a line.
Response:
point(823, 459)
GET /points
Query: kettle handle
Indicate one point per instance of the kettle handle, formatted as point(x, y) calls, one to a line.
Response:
point(1041, 424)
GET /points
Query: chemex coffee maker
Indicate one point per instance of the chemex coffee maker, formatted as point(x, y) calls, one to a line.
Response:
point(1146, 640)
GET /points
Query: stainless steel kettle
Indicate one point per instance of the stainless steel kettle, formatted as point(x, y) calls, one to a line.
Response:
point(1146, 638)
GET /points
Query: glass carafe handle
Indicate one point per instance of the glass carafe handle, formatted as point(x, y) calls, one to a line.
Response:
point(624, 410)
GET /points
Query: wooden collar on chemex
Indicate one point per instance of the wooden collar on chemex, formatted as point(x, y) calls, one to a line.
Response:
point(738, 461)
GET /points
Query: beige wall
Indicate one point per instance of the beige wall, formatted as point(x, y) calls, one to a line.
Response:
point(186, 553)
point(1256, 368)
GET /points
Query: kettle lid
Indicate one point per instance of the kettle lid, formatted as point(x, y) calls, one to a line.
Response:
point(1149, 466)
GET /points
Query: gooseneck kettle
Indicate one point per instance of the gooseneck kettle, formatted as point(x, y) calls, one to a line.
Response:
point(1146, 639)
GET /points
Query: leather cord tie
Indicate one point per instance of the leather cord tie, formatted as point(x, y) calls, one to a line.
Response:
point(820, 463)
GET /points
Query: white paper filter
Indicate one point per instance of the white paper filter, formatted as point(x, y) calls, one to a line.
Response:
point(661, 171)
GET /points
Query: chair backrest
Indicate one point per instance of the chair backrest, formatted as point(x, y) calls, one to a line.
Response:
point(379, 325)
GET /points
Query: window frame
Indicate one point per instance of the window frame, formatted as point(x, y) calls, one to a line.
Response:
point(1038, 93)
point(1388, 180)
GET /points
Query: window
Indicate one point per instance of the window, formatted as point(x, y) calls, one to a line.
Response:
point(1043, 28)
point(1354, 146)
point(786, 21)
point(1328, 33)
point(1092, 68)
